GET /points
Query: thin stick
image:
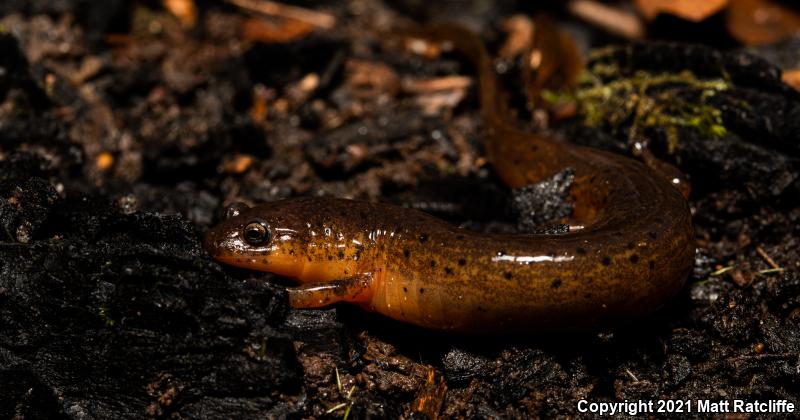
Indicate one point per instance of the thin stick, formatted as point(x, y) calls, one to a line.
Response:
point(271, 8)
point(616, 21)
point(763, 254)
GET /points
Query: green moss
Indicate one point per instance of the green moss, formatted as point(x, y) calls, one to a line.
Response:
point(608, 99)
point(103, 312)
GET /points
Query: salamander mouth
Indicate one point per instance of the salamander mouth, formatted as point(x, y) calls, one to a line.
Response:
point(225, 250)
point(243, 261)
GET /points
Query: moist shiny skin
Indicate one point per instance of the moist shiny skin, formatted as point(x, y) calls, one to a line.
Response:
point(632, 254)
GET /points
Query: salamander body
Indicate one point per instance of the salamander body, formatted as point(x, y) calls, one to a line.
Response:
point(630, 250)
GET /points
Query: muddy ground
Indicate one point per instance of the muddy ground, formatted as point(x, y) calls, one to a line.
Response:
point(124, 133)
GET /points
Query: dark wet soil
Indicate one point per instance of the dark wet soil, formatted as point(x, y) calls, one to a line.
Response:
point(123, 134)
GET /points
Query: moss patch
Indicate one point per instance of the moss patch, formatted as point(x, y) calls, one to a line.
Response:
point(610, 100)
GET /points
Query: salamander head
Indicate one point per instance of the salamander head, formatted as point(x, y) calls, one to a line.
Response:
point(299, 238)
point(265, 238)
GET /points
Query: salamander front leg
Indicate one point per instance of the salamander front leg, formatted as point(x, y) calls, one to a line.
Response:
point(316, 295)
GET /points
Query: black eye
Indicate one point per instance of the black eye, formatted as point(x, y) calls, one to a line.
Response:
point(257, 232)
point(234, 210)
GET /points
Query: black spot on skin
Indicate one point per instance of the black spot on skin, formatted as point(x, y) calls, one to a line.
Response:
point(462, 262)
point(606, 261)
point(406, 253)
point(631, 245)
point(556, 284)
point(405, 289)
point(308, 258)
point(580, 250)
point(433, 263)
point(588, 296)
point(634, 259)
point(508, 275)
point(652, 235)
point(340, 255)
point(423, 238)
point(448, 271)
point(652, 265)
point(264, 260)
point(421, 290)
point(238, 260)
point(330, 257)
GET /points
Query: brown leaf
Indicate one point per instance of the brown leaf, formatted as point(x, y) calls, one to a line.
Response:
point(691, 10)
point(286, 30)
point(520, 35)
point(759, 22)
point(184, 10)
point(792, 78)
point(367, 79)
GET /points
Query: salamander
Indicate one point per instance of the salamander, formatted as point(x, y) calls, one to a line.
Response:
point(629, 250)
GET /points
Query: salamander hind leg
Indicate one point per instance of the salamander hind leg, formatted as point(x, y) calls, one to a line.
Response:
point(357, 289)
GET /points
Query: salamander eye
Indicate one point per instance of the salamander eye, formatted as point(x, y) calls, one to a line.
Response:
point(234, 210)
point(257, 232)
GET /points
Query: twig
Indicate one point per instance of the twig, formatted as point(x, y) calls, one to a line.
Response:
point(271, 8)
point(437, 84)
point(616, 21)
point(336, 407)
point(722, 270)
point(763, 254)
point(635, 379)
point(769, 271)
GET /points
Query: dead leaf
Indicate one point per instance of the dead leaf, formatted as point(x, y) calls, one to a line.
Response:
point(520, 35)
point(792, 78)
point(284, 30)
point(691, 10)
point(759, 22)
point(436, 84)
point(613, 19)
point(367, 79)
point(237, 164)
point(184, 10)
point(315, 18)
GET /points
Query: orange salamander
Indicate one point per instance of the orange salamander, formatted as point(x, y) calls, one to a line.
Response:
point(629, 251)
